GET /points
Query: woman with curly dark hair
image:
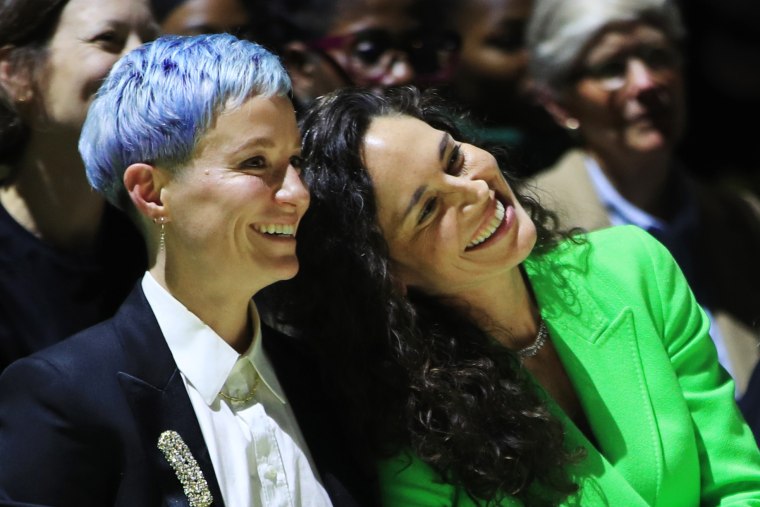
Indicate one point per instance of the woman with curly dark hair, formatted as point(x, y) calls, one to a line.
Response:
point(484, 357)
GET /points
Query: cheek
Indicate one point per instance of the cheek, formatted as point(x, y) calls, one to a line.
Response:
point(595, 109)
point(93, 69)
point(590, 97)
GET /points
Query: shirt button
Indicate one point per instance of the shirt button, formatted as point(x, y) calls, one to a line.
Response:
point(271, 474)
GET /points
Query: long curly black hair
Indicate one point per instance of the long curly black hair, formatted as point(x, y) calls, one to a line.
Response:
point(411, 371)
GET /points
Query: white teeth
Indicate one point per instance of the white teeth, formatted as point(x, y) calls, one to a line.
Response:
point(494, 224)
point(276, 229)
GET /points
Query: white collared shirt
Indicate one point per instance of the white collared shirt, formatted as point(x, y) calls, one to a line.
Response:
point(259, 455)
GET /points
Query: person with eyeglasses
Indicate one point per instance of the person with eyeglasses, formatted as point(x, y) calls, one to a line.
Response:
point(330, 44)
point(612, 73)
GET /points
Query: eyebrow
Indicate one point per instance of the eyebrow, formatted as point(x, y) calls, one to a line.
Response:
point(414, 200)
point(263, 142)
point(420, 191)
point(443, 145)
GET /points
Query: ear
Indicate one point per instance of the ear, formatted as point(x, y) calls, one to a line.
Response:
point(555, 108)
point(15, 79)
point(144, 183)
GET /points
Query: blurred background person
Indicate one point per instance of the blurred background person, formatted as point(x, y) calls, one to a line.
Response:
point(612, 73)
point(329, 44)
point(491, 80)
point(67, 259)
point(193, 17)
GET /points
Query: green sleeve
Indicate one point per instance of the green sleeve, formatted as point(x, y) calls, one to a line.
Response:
point(728, 455)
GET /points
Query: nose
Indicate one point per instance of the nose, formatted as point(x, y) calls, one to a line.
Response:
point(399, 71)
point(292, 191)
point(639, 76)
point(463, 191)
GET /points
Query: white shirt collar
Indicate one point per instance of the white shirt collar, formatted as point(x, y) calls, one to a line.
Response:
point(202, 356)
point(623, 212)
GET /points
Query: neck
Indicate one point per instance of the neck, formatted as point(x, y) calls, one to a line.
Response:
point(221, 306)
point(50, 196)
point(641, 180)
point(505, 306)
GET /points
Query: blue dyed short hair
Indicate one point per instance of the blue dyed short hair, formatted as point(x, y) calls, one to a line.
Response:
point(159, 100)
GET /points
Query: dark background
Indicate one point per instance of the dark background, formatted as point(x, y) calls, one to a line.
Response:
point(723, 80)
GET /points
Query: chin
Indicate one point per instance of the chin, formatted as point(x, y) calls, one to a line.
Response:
point(650, 141)
point(286, 271)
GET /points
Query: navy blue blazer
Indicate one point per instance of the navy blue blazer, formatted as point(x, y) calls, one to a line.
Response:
point(80, 421)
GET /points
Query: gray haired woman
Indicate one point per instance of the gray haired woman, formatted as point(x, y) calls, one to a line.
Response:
point(612, 73)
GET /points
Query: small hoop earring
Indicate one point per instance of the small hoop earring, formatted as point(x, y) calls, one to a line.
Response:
point(572, 124)
point(26, 97)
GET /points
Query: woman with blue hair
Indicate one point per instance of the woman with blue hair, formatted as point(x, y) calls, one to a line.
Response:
point(183, 395)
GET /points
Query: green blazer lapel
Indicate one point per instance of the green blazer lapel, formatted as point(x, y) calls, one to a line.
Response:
point(600, 352)
point(600, 483)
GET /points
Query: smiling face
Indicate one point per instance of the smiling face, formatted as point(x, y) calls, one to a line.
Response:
point(234, 209)
point(628, 97)
point(447, 213)
point(88, 40)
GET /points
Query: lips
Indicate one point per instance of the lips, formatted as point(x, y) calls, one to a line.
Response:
point(492, 226)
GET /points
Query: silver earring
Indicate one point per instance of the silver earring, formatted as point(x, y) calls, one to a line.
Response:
point(162, 238)
point(26, 97)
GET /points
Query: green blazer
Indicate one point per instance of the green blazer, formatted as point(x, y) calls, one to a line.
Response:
point(726, 249)
point(636, 347)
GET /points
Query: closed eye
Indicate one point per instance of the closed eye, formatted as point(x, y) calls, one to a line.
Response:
point(455, 164)
point(427, 209)
point(297, 162)
point(110, 40)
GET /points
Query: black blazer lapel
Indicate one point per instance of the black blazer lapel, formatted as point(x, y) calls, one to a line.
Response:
point(157, 396)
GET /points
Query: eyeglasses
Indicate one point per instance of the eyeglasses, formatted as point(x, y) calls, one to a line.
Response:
point(369, 54)
point(612, 73)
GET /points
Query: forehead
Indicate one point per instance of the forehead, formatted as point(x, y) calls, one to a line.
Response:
point(110, 10)
point(357, 15)
point(401, 154)
point(622, 37)
point(494, 11)
point(387, 142)
point(218, 14)
point(270, 120)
